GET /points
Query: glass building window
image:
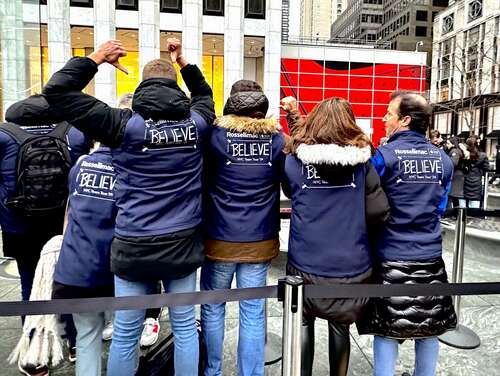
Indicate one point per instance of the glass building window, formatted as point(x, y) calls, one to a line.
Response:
point(440, 3)
point(213, 7)
point(82, 3)
point(421, 15)
point(420, 31)
point(171, 6)
point(128, 83)
point(127, 4)
point(255, 9)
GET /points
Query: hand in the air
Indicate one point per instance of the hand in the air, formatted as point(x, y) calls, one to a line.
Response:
point(110, 52)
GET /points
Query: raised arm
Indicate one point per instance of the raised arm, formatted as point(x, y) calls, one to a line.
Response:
point(201, 93)
point(91, 116)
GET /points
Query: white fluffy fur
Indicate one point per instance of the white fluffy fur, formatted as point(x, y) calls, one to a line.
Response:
point(45, 344)
point(333, 154)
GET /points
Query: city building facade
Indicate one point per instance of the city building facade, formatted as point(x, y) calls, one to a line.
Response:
point(317, 16)
point(228, 39)
point(360, 20)
point(362, 74)
point(465, 80)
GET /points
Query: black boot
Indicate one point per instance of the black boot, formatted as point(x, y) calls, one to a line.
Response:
point(307, 348)
point(339, 348)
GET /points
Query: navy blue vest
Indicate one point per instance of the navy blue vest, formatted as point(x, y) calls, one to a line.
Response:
point(158, 166)
point(328, 233)
point(416, 174)
point(84, 258)
point(244, 171)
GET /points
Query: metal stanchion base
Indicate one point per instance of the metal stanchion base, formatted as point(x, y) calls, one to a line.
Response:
point(461, 338)
point(272, 349)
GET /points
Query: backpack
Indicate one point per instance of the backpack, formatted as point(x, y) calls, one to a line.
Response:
point(42, 168)
point(159, 361)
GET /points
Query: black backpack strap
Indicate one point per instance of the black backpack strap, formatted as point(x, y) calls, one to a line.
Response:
point(15, 131)
point(60, 131)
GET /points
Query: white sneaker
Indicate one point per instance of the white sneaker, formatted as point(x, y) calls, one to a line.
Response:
point(150, 332)
point(107, 332)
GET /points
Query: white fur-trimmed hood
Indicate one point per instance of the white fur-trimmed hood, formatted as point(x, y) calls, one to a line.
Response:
point(333, 154)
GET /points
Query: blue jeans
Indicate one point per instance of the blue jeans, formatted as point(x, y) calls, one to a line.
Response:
point(89, 328)
point(219, 275)
point(469, 203)
point(385, 354)
point(124, 351)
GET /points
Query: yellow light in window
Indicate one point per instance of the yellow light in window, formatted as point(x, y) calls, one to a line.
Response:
point(128, 83)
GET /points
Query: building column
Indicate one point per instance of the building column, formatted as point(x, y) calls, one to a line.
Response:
point(192, 30)
point(13, 78)
point(272, 55)
point(59, 34)
point(233, 43)
point(149, 31)
point(104, 30)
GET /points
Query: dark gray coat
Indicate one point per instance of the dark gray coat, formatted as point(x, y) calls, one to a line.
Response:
point(457, 184)
point(474, 171)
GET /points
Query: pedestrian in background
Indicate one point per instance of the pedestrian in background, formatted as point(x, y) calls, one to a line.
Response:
point(475, 168)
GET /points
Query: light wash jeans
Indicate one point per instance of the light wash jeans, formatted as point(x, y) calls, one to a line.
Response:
point(124, 351)
point(88, 343)
point(385, 354)
point(219, 275)
point(462, 203)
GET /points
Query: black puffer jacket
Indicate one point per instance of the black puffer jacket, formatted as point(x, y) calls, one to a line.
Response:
point(410, 317)
point(474, 171)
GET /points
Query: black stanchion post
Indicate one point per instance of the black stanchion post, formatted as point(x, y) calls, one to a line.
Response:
point(292, 324)
point(462, 337)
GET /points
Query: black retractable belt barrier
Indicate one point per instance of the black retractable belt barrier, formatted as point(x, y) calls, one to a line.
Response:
point(60, 306)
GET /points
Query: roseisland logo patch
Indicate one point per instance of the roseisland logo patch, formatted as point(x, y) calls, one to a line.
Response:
point(419, 166)
point(169, 134)
point(249, 149)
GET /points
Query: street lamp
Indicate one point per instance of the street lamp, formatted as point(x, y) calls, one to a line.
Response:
point(419, 43)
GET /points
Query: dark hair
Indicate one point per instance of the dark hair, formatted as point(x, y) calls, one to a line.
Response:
point(472, 147)
point(416, 107)
point(159, 68)
point(454, 141)
point(332, 121)
point(434, 133)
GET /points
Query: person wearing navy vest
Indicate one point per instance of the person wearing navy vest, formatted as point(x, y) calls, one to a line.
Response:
point(22, 240)
point(241, 219)
point(416, 177)
point(83, 269)
point(157, 154)
point(335, 195)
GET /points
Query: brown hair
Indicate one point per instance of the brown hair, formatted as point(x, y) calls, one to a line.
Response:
point(159, 68)
point(471, 143)
point(331, 122)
